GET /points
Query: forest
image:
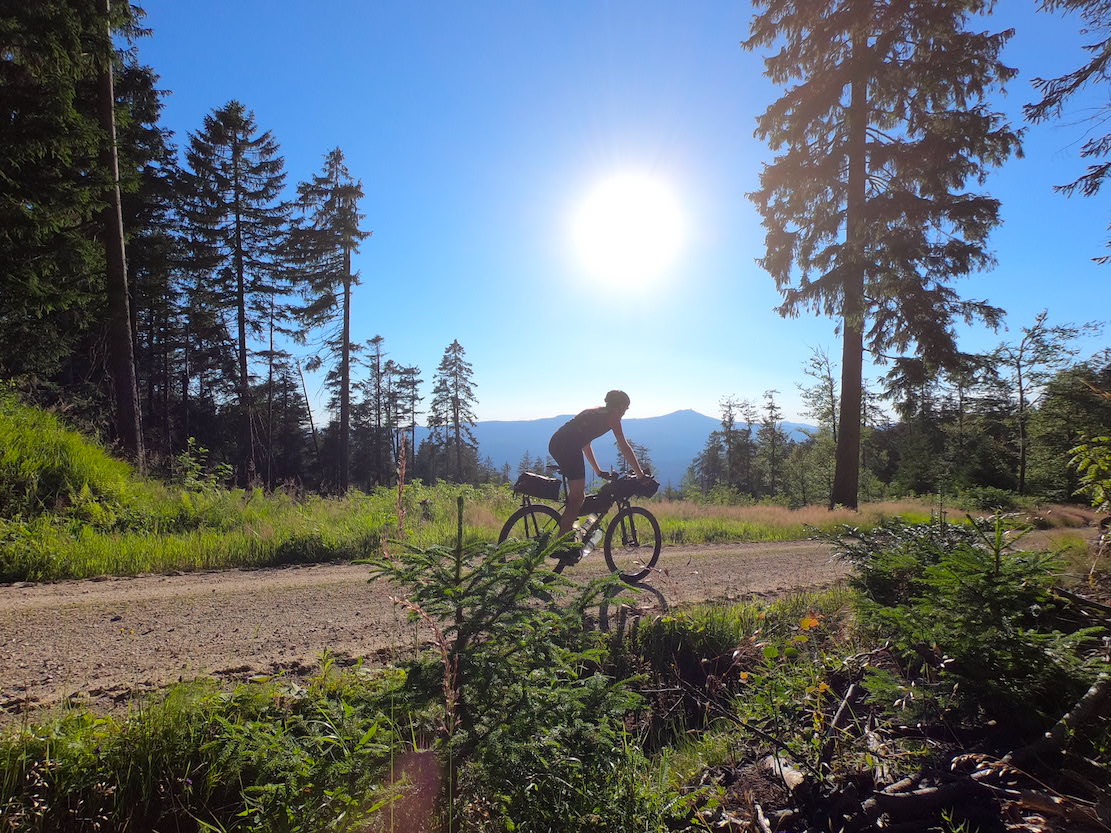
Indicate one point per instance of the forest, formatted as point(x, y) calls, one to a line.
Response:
point(163, 296)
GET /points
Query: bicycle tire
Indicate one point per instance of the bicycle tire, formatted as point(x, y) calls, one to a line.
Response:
point(526, 522)
point(630, 550)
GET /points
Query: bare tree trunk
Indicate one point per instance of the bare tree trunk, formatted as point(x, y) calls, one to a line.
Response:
point(345, 380)
point(846, 478)
point(120, 339)
point(246, 432)
point(312, 425)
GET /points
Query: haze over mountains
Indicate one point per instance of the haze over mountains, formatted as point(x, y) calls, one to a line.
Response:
point(673, 440)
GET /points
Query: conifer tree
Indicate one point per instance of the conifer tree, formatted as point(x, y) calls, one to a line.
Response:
point(321, 244)
point(53, 183)
point(450, 416)
point(1056, 93)
point(237, 223)
point(865, 205)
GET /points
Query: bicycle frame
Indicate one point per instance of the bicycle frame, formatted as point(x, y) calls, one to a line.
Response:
point(588, 508)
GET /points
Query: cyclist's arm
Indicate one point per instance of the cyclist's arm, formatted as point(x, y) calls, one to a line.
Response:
point(588, 452)
point(627, 449)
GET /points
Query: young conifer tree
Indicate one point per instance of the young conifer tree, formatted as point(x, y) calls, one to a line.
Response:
point(866, 205)
point(321, 244)
point(451, 417)
point(238, 224)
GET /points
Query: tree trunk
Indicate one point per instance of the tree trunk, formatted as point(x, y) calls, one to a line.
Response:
point(1021, 432)
point(846, 478)
point(345, 380)
point(120, 340)
point(246, 435)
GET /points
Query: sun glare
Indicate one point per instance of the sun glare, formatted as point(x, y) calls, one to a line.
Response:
point(628, 229)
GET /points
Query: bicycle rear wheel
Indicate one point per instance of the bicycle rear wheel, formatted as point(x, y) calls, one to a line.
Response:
point(633, 542)
point(530, 522)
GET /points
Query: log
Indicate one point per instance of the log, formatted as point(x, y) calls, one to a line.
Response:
point(920, 802)
point(1094, 704)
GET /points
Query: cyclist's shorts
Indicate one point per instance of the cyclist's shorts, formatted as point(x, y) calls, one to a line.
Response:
point(568, 457)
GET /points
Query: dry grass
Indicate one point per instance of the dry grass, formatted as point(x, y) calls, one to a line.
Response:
point(684, 522)
point(815, 515)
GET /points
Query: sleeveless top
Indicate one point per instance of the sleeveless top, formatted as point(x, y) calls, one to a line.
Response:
point(583, 427)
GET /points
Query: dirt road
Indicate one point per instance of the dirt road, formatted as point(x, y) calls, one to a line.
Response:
point(99, 641)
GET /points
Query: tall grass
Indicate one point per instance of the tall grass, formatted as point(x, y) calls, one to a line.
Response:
point(268, 756)
point(684, 522)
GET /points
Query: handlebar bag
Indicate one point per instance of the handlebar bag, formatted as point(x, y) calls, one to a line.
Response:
point(537, 485)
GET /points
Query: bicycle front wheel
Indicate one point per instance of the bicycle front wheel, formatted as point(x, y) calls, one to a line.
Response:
point(530, 522)
point(633, 542)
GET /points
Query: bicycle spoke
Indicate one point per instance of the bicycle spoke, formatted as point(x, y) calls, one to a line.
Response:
point(633, 543)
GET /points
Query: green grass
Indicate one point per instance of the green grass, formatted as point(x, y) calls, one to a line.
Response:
point(269, 756)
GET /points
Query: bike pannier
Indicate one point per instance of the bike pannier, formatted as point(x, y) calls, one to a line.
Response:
point(536, 485)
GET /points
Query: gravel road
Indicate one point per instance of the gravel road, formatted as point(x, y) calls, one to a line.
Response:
point(100, 641)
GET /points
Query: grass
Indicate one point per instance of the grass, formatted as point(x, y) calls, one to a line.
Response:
point(685, 522)
point(269, 756)
point(68, 509)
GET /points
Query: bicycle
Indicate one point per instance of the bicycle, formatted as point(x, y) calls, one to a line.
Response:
point(631, 542)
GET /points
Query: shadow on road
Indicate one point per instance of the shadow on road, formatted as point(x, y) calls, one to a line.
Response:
point(635, 600)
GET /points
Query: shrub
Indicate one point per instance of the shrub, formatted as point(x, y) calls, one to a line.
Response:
point(989, 499)
point(964, 608)
point(532, 725)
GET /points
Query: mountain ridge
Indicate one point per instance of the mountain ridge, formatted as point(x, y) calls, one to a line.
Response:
point(673, 440)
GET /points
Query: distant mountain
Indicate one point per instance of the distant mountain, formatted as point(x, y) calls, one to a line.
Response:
point(673, 440)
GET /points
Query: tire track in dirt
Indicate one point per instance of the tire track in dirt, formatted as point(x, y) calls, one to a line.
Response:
point(100, 641)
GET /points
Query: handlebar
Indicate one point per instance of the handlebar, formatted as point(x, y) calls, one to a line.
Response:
point(612, 475)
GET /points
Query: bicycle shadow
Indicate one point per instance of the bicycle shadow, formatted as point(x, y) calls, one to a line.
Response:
point(630, 600)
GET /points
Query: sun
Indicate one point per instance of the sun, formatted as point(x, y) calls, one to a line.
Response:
point(628, 229)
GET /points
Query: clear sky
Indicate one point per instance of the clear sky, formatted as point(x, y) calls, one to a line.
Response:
point(480, 130)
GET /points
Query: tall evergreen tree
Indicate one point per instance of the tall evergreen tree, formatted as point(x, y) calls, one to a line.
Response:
point(865, 206)
point(451, 417)
point(1056, 93)
point(321, 245)
point(53, 182)
point(121, 350)
point(238, 223)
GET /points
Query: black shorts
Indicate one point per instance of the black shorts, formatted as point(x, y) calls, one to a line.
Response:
point(568, 457)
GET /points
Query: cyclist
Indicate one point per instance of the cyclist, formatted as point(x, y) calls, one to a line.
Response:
point(572, 441)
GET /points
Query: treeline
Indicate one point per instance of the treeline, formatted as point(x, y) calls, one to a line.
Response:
point(1003, 422)
point(226, 267)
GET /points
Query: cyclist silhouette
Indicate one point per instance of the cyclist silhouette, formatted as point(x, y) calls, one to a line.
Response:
point(571, 443)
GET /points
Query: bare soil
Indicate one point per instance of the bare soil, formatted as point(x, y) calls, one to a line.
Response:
point(101, 641)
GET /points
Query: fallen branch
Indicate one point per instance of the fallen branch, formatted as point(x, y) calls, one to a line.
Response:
point(919, 802)
point(1094, 704)
point(1083, 601)
point(839, 718)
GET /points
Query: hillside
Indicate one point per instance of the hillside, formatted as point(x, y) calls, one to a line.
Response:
point(673, 440)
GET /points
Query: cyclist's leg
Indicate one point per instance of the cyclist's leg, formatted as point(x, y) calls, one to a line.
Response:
point(572, 465)
point(576, 493)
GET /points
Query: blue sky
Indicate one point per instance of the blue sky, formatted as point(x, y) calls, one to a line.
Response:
point(478, 128)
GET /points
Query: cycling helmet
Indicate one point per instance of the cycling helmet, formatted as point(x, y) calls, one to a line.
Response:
point(618, 400)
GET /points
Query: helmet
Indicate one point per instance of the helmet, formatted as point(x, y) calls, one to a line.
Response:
point(618, 400)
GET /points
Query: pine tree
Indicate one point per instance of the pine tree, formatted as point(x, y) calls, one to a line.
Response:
point(149, 180)
point(1056, 92)
point(450, 416)
point(773, 443)
point(408, 399)
point(53, 183)
point(237, 224)
point(321, 245)
point(865, 206)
